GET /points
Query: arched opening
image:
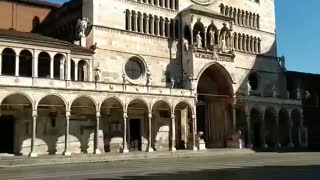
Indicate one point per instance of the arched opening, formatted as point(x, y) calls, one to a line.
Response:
point(138, 125)
point(161, 125)
point(253, 81)
point(82, 125)
point(284, 126)
point(256, 128)
point(8, 62)
point(59, 63)
point(198, 34)
point(112, 124)
point(212, 36)
point(44, 65)
point(214, 115)
point(72, 70)
point(51, 123)
point(187, 33)
point(271, 132)
point(183, 121)
point(296, 127)
point(16, 124)
point(25, 63)
point(82, 70)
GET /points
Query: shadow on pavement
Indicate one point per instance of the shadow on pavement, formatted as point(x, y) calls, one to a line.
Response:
point(250, 173)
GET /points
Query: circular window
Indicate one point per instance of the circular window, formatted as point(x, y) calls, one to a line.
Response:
point(134, 68)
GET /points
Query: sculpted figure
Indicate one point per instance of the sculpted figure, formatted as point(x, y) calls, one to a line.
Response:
point(223, 43)
point(274, 91)
point(186, 44)
point(198, 40)
point(211, 38)
point(82, 25)
point(124, 78)
point(149, 78)
point(172, 82)
point(98, 73)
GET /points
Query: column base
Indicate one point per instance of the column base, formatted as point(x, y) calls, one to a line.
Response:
point(278, 145)
point(265, 146)
point(194, 148)
point(66, 153)
point(173, 149)
point(149, 149)
point(291, 145)
point(97, 151)
point(33, 154)
point(126, 150)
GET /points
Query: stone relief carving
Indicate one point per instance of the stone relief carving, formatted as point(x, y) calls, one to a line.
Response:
point(213, 56)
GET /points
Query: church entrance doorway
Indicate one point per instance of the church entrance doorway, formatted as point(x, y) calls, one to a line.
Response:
point(7, 134)
point(135, 135)
point(215, 100)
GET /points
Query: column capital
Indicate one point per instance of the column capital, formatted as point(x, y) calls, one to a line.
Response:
point(68, 113)
point(98, 114)
point(173, 116)
point(193, 116)
point(125, 115)
point(150, 115)
point(34, 113)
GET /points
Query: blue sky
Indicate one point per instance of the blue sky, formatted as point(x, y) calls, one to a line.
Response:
point(297, 29)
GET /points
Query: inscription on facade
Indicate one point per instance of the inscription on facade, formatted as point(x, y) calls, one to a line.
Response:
point(213, 57)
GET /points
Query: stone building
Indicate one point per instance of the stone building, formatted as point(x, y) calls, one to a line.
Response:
point(147, 75)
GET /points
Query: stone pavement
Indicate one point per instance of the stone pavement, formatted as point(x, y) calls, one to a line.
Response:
point(21, 161)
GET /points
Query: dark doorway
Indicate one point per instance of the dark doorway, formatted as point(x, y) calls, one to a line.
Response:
point(201, 120)
point(135, 135)
point(7, 134)
point(256, 135)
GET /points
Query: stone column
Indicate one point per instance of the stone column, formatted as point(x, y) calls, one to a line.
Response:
point(157, 24)
point(163, 27)
point(240, 42)
point(35, 64)
point(66, 151)
point(205, 37)
point(278, 143)
point(147, 25)
point(234, 117)
point(96, 134)
point(135, 25)
point(62, 69)
point(125, 144)
point(90, 72)
point(163, 3)
point(168, 27)
point(173, 4)
point(290, 124)
point(51, 68)
point(34, 131)
point(249, 143)
point(173, 29)
point(245, 47)
point(141, 23)
point(151, 25)
point(194, 131)
point(76, 71)
point(168, 4)
point(17, 60)
point(173, 132)
point(149, 149)
point(129, 21)
point(249, 45)
point(68, 67)
point(263, 132)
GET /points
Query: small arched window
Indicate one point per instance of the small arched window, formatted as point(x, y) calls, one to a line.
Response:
point(253, 81)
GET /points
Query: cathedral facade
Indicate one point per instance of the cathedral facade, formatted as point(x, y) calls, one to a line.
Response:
point(148, 75)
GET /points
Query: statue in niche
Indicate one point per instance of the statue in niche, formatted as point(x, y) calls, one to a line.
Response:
point(223, 42)
point(149, 79)
point(172, 82)
point(248, 88)
point(211, 38)
point(98, 73)
point(82, 26)
point(186, 44)
point(274, 91)
point(198, 40)
point(191, 81)
point(308, 94)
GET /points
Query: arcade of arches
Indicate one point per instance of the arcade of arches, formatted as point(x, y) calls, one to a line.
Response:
point(54, 124)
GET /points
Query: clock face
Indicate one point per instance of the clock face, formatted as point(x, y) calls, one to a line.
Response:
point(203, 2)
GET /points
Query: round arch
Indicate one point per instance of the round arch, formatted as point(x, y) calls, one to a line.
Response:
point(19, 94)
point(183, 112)
point(88, 100)
point(112, 100)
point(161, 103)
point(139, 102)
point(270, 122)
point(284, 125)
